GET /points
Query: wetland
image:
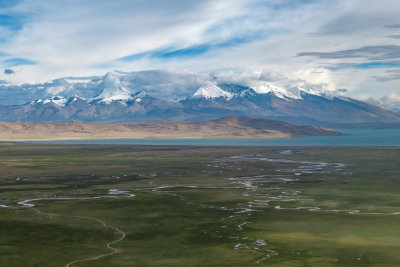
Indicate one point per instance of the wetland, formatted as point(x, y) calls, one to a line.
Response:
point(138, 205)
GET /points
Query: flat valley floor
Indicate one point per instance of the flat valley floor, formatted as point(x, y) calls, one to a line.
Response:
point(122, 205)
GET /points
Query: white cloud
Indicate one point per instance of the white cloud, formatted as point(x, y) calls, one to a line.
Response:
point(162, 84)
point(391, 101)
point(70, 38)
point(67, 35)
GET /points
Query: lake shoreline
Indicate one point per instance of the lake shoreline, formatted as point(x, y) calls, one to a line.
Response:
point(350, 137)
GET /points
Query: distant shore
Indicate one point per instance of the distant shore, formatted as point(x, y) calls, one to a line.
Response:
point(234, 127)
point(27, 137)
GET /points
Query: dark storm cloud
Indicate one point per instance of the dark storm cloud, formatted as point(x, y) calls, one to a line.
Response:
point(345, 24)
point(377, 52)
point(9, 71)
point(392, 75)
point(396, 36)
point(392, 26)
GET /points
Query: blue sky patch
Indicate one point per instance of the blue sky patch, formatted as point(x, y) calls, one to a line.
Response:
point(12, 62)
point(185, 52)
point(9, 3)
point(9, 71)
point(13, 23)
point(194, 50)
point(366, 65)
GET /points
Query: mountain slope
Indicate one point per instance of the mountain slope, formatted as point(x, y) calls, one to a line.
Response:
point(309, 108)
point(116, 100)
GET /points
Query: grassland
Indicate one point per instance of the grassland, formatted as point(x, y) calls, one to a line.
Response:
point(199, 206)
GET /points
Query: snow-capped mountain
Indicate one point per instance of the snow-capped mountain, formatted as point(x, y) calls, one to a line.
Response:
point(132, 97)
point(228, 91)
point(295, 105)
point(211, 91)
point(111, 94)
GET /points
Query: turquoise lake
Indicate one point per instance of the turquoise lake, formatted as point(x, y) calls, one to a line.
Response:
point(364, 137)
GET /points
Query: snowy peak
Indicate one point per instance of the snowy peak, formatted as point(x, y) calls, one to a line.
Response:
point(139, 96)
point(211, 91)
point(229, 91)
point(58, 100)
point(115, 89)
point(235, 89)
point(110, 94)
point(285, 93)
point(280, 92)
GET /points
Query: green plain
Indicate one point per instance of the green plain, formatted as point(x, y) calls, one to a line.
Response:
point(198, 206)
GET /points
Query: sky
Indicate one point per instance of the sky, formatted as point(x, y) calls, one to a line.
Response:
point(350, 47)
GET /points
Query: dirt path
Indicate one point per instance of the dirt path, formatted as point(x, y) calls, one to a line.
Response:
point(108, 245)
point(26, 203)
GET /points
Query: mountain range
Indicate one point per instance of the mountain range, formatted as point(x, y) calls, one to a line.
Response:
point(117, 101)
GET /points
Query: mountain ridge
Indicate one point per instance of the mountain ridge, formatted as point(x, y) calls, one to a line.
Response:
point(117, 101)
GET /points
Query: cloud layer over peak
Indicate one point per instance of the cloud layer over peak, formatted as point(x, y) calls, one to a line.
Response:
point(162, 84)
point(326, 45)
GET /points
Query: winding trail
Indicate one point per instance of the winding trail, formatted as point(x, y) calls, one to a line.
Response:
point(27, 204)
point(108, 245)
